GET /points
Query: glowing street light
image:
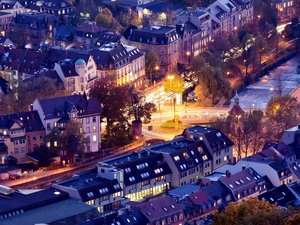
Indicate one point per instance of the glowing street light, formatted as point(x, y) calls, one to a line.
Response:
point(170, 78)
point(273, 93)
point(188, 53)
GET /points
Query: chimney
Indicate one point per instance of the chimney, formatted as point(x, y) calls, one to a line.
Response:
point(298, 126)
point(128, 159)
point(227, 173)
point(139, 155)
point(243, 167)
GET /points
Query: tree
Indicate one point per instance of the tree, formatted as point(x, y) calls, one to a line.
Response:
point(45, 156)
point(104, 18)
point(139, 108)
point(173, 82)
point(152, 63)
point(19, 35)
point(71, 141)
point(114, 100)
point(252, 211)
point(282, 113)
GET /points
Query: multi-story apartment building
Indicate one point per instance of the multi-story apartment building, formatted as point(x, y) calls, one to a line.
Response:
point(217, 143)
point(163, 40)
point(40, 25)
point(88, 187)
point(57, 112)
point(21, 133)
point(5, 20)
point(189, 160)
point(244, 184)
point(229, 16)
point(57, 7)
point(126, 63)
point(195, 30)
point(141, 175)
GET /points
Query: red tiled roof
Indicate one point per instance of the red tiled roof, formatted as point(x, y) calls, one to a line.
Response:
point(199, 197)
point(236, 110)
point(160, 208)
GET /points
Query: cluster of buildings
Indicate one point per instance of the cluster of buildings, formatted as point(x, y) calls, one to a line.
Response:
point(182, 181)
point(22, 132)
point(104, 53)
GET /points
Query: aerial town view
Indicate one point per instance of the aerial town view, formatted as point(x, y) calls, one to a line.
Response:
point(150, 112)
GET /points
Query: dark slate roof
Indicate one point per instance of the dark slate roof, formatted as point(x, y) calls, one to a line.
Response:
point(6, 4)
point(63, 55)
point(116, 55)
point(18, 201)
point(160, 7)
point(217, 191)
point(4, 85)
point(215, 137)
point(69, 70)
point(101, 58)
point(188, 28)
point(90, 186)
point(29, 120)
point(139, 167)
point(91, 30)
point(64, 32)
point(133, 217)
point(280, 195)
point(61, 106)
point(35, 21)
point(56, 4)
point(156, 35)
point(31, 62)
point(135, 53)
point(107, 37)
point(184, 152)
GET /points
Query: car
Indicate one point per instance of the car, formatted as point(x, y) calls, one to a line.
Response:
point(14, 176)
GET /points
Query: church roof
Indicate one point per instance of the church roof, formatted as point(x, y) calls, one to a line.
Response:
point(236, 110)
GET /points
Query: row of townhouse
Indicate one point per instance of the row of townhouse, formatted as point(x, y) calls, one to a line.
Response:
point(77, 70)
point(195, 170)
point(150, 172)
point(192, 32)
point(21, 132)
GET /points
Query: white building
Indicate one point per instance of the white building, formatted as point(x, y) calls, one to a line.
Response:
point(57, 112)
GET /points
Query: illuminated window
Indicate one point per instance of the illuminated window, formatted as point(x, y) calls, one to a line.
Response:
point(94, 138)
point(81, 130)
point(55, 143)
point(94, 128)
point(48, 144)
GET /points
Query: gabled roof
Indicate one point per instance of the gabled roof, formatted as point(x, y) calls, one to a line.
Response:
point(216, 191)
point(280, 195)
point(61, 106)
point(160, 208)
point(201, 198)
point(28, 120)
point(215, 137)
point(244, 180)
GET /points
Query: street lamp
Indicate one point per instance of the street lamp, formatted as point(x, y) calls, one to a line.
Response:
point(151, 71)
point(272, 90)
point(171, 77)
point(188, 53)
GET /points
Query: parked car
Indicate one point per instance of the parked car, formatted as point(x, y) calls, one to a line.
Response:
point(14, 176)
